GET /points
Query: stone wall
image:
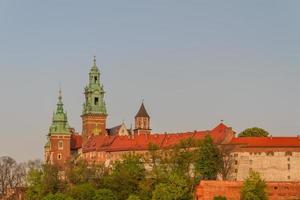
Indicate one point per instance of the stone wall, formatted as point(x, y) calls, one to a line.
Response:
point(272, 164)
point(207, 190)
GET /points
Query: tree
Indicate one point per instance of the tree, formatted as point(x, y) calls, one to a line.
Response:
point(34, 184)
point(181, 158)
point(126, 176)
point(12, 174)
point(227, 161)
point(163, 192)
point(254, 132)
point(104, 194)
point(176, 188)
point(82, 192)
point(209, 160)
point(254, 188)
point(43, 181)
point(81, 172)
point(51, 181)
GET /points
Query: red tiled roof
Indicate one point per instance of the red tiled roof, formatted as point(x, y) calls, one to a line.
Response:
point(142, 141)
point(76, 141)
point(267, 141)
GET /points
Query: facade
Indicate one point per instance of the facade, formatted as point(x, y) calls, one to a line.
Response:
point(275, 158)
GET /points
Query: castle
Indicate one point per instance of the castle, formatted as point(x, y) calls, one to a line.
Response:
point(275, 158)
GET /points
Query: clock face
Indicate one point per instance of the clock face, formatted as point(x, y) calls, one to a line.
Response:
point(96, 130)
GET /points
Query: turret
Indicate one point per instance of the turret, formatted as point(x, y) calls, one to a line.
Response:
point(57, 148)
point(142, 121)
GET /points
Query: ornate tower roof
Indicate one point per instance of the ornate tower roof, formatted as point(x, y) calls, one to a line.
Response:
point(60, 123)
point(94, 93)
point(142, 112)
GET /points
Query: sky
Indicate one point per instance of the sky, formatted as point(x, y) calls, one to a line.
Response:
point(194, 63)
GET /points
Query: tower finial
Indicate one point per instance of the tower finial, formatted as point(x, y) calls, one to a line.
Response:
point(60, 93)
point(94, 60)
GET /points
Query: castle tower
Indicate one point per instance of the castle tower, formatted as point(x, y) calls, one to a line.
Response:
point(142, 121)
point(94, 112)
point(57, 149)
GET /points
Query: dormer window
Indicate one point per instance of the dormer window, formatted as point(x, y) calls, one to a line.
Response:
point(96, 101)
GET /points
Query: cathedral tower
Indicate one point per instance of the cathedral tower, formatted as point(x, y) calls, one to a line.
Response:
point(94, 112)
point(57, 149)
point(142, 121)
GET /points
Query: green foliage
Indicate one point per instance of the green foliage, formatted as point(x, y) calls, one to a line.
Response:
point(133, 197)
point(81, 172)
point(182, 157)
point(35, 187)
point(82, 192)
point(254, 188)
point(43, 181)
point(175, 188)
point(57, 196)
point(104, 194)
point(126, 176)
point(208, 160)
point(254, 132)
point(51, 181)
point(220, 198)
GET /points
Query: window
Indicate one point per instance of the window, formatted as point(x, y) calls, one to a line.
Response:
point(236, 170)
point(59, 157)
point(95, 79)
point(251, 161)
point(96, 101)
point(288, 177)
point(235, 162)
point(60, 145)
point(289, 166)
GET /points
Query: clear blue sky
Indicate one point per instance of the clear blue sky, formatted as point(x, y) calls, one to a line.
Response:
point(194, 63)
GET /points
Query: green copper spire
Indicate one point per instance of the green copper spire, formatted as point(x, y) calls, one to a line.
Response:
point(94, 93)
point(60, 123)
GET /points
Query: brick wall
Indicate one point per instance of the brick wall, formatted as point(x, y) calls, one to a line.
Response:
point(207, 190)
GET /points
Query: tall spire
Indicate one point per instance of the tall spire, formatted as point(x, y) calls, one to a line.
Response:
point(60, 123)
